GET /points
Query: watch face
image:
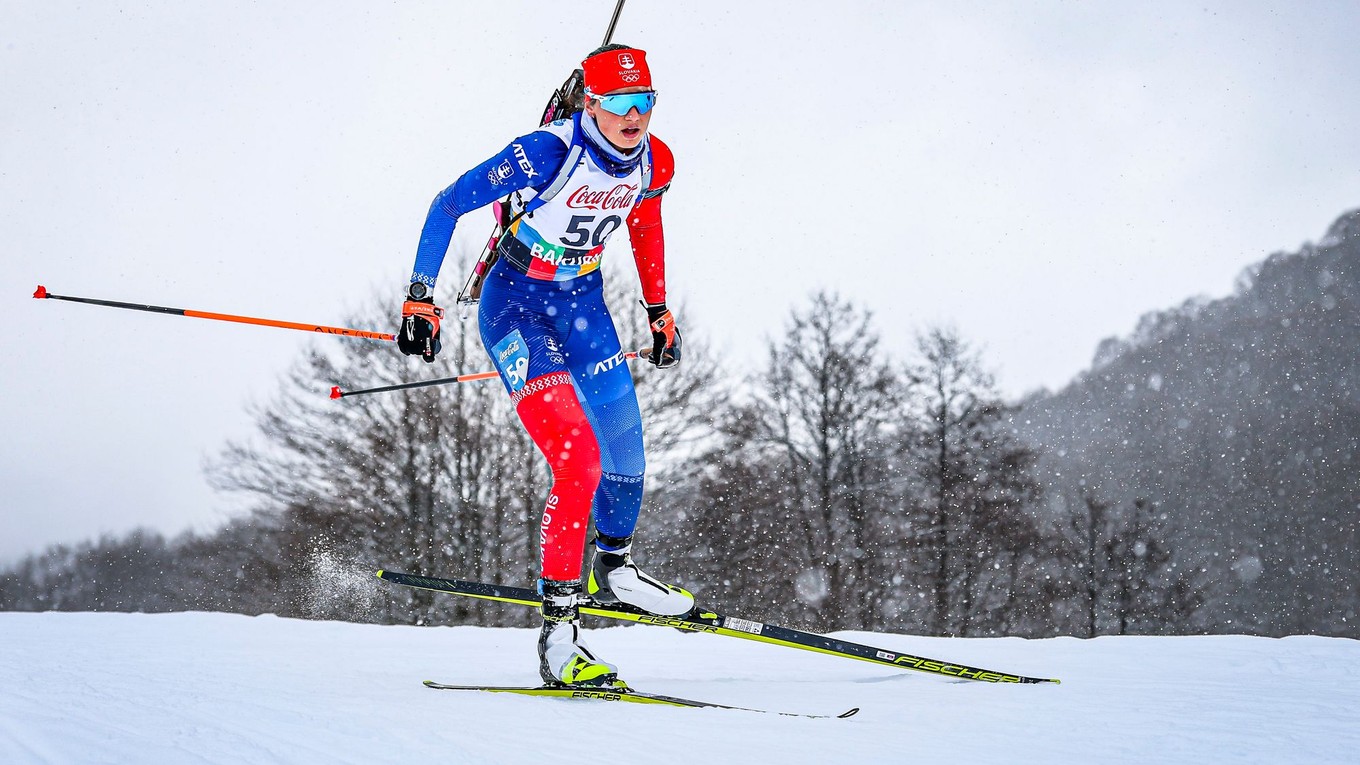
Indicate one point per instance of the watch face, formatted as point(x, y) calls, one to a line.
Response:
point(418, 291)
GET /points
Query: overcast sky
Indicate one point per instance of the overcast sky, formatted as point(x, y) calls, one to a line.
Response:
point(1037, 175)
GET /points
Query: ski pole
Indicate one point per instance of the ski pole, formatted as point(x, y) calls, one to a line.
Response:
point(471, 377)
point(345, 331)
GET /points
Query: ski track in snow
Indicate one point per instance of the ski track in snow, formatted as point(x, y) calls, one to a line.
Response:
point(224, 688)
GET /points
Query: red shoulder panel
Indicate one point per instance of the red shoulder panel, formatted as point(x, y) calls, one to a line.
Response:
point(644, 228)
point(663, 163)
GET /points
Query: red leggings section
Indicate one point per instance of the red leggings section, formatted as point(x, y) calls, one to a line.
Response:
point(557, 424)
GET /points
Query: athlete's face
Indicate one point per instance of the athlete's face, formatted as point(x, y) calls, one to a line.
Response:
point(624, 132)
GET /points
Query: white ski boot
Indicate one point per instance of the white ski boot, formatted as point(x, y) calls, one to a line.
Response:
point(614, 578)
point(563, 657)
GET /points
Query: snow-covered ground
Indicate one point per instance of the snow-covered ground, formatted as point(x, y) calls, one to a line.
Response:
point(222, 688)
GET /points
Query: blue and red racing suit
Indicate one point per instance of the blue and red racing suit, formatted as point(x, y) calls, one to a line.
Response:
point(543, 317)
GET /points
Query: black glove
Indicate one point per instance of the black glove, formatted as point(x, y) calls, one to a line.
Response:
point(665, 337)
point(419, 331)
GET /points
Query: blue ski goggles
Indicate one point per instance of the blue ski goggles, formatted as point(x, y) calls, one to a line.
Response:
point(622, 103)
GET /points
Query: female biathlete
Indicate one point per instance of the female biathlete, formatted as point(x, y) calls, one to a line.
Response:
point(544, 322)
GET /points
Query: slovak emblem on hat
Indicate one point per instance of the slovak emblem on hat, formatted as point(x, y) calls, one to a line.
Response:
point(626, 61)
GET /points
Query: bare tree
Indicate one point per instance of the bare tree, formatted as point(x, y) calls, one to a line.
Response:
point(806, 454)
point(1131, 580)
point(977, 474)
point(434, 480)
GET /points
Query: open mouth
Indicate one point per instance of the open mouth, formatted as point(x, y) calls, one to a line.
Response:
point(631, 132)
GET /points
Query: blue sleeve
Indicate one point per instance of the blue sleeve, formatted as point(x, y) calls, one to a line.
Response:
point(529, 161)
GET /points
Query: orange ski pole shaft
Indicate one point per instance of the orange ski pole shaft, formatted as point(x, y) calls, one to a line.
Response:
point(42, 293)
point(471, 377)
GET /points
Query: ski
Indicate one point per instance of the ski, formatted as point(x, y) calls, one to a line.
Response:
point(715, 623)
point(617, 694)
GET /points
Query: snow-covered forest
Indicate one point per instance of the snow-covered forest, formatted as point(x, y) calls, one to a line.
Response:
point(1201, 477)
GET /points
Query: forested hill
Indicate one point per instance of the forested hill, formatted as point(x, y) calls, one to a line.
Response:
point(1239, 419)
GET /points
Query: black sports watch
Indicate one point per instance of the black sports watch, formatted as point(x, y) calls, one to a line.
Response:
point(418, 291)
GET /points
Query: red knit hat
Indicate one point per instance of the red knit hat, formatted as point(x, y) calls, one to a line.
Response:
point(616, 69)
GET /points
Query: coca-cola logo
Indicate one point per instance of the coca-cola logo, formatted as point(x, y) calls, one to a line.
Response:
point(618, 198)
